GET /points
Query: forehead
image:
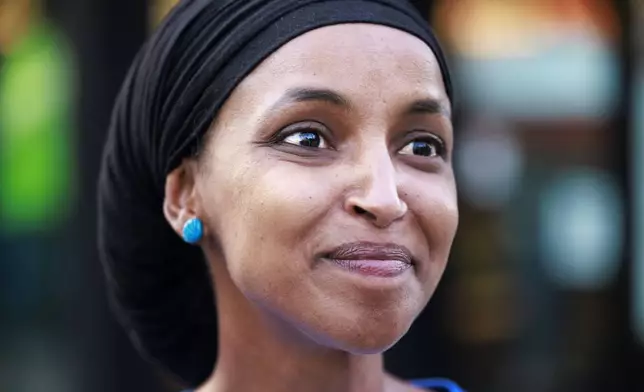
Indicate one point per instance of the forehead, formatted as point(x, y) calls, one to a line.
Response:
point(362, 60)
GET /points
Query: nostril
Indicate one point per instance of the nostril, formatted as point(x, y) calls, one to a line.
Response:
point(365, 213)
point(359, 210)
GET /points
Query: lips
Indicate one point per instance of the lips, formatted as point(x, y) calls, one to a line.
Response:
point(372, 259)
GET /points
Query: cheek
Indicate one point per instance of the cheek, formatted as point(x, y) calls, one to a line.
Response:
point(436, 209)
point(264, 216)
point(442, 223)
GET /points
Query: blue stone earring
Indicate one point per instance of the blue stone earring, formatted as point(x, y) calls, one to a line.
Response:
point(192, 230)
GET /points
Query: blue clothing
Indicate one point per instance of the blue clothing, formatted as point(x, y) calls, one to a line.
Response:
point(438, 384)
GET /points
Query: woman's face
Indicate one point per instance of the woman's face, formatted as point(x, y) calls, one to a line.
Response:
point(327, 183)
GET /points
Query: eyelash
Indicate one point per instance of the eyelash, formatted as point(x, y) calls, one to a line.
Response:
point(434, 141)
point(312, 127)
point(306, 127)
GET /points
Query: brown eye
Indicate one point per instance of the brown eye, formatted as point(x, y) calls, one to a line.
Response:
point(308, 139)
point(425, 148)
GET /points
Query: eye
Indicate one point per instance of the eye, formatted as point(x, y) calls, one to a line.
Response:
point(309, 139)
point(431, 148)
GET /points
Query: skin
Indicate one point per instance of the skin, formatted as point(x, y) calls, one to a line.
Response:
point(291, 320)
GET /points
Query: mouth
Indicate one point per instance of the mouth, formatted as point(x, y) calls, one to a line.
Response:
point(372, 259)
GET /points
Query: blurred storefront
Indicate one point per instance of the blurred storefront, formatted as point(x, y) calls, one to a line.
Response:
point(638, 177)
point(541, 242)
point(37, 191)
point(534, 298)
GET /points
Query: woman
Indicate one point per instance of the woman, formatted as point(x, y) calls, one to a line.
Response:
point(303, 148)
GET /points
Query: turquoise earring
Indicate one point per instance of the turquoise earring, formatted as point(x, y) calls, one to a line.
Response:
point(192, 230)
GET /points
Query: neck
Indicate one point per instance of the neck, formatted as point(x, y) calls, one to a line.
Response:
point(258, 353)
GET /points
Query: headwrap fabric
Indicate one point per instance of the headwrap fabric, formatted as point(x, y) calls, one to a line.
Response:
point(160, 287)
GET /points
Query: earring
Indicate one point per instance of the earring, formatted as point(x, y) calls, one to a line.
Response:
point(192, 230)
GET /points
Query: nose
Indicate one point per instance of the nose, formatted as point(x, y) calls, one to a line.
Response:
point(375, 198)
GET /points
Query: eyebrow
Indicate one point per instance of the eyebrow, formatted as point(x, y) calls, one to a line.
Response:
point(309, 94)
point(428, 106)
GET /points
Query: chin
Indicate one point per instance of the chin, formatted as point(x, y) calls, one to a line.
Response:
point(363, 336)
point(371, 341)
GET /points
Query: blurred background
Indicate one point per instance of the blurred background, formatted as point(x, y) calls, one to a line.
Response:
point(545, 287)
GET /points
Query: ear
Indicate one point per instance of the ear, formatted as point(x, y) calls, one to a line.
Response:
point(180, 203)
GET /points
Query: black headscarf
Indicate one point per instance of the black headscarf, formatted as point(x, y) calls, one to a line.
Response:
point(159, 286)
